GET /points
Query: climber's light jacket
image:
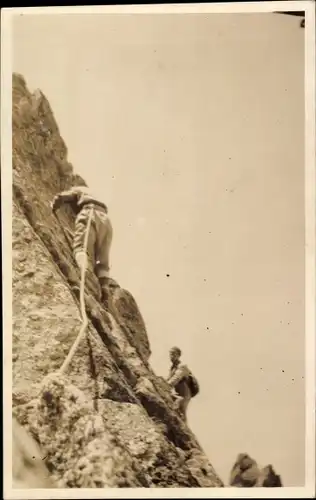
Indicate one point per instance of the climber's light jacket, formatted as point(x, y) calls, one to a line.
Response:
point(178, 379)
point(101, 231)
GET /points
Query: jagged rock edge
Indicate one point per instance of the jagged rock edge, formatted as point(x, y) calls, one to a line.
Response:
point(154, 408)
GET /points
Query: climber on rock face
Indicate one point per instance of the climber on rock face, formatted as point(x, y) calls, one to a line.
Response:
point(100, 235)
point(182, 381)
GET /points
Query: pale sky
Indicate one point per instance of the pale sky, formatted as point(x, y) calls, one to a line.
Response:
point(191, 129)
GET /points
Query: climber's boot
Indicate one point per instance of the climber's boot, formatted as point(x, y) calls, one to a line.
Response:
point(105, 297)
point(105, 292)
point(92, 284)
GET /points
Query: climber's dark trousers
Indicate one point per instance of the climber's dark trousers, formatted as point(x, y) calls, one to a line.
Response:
point(99, 240)
point(183, 406)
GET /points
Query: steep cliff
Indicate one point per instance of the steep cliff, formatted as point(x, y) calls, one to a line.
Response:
point(109, 421)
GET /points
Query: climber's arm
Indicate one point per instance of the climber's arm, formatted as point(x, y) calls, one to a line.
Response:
point(64, 197)
point(179, 374)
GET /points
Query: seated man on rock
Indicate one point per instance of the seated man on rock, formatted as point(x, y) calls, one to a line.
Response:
point(246, 474)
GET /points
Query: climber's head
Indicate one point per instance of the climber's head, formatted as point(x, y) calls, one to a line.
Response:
point(175, 354)
point(245, 461)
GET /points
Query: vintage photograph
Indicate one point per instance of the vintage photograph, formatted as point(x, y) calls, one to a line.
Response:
point(158, 176)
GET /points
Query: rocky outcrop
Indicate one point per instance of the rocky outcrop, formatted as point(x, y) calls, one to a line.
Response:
point(247, 474)
point(29, 470)
point(109, 421)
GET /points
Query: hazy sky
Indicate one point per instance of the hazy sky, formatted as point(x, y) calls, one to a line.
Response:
point(191, 129)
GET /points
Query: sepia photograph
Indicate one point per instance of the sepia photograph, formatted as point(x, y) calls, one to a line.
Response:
point(158, 213)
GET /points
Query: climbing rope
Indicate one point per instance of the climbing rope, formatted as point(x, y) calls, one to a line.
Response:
point(84, 317)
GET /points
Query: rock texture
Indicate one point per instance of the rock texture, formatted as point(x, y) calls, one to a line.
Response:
point(29, 469)
point(109, 421)
point(247, 474)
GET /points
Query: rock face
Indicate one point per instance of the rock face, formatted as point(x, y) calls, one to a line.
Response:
point(246, 474)
point(109, 421)
point(29, 469)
